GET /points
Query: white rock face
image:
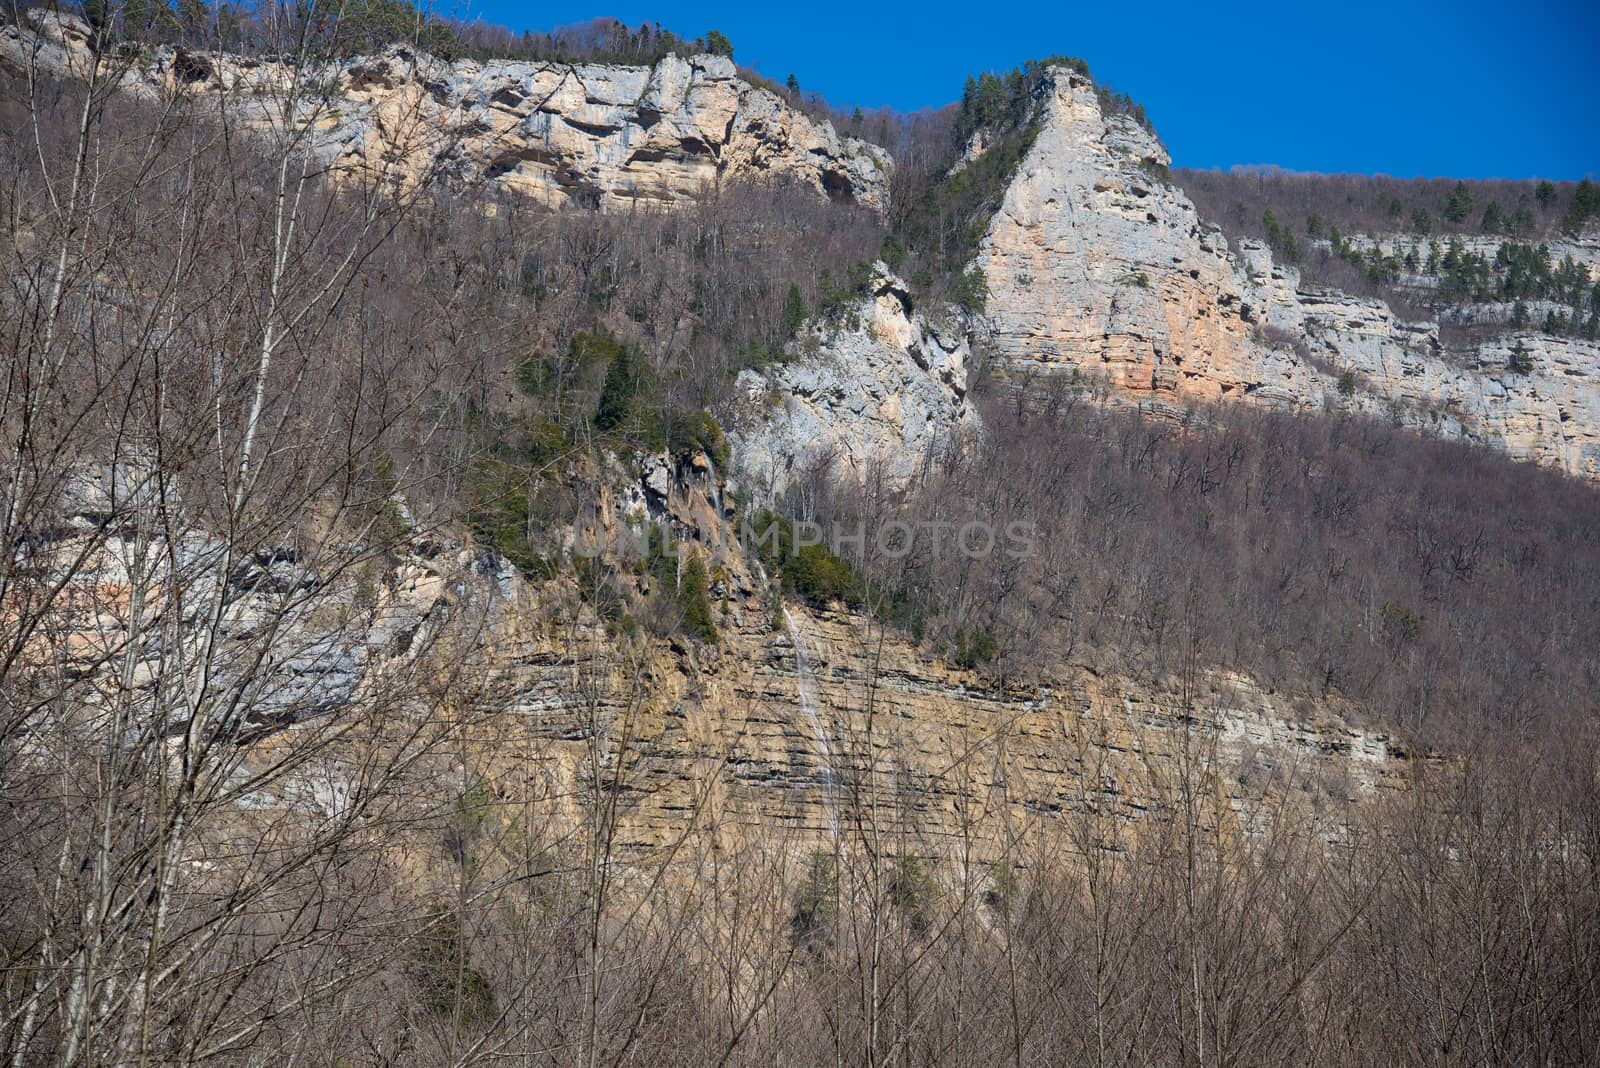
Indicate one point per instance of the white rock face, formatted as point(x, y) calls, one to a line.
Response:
point(1399, 370)
point(885, 391)
point(1096, 265)
point(1095, 262)
point(607, 136)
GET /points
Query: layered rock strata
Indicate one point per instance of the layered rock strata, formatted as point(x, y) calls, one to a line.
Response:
point(797, 725)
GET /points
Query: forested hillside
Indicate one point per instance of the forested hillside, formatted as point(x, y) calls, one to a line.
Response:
point(553, 552)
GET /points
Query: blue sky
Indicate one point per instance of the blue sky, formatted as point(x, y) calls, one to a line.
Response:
point(1463, 89)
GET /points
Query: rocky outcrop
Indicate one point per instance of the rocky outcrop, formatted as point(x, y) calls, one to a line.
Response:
point(1096, 262)
point(589, 134)
point(1097, 265)
point(880, 385)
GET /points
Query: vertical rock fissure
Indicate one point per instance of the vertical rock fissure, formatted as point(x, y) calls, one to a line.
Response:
point(820, 744)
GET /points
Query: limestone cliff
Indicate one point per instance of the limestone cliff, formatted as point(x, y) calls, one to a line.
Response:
point(1097, 264)
point(587, 134)
point(793, 724)
point(880, 384)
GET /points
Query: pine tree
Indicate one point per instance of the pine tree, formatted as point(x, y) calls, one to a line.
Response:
point(616, 395)
point(1459, 204)
point(718, 44)
point(1520, 361)
point(1585, 204)
point(693, 586)
point(794, 311)
point(793, 85)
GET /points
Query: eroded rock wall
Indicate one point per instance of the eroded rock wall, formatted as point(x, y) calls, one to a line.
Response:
point(881, 386)
point(613, 137)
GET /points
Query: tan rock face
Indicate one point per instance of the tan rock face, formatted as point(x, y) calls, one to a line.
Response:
point(797, 733)
point(1098, 266)
point(1550, 415)
point(797, 724)
point(595, 135)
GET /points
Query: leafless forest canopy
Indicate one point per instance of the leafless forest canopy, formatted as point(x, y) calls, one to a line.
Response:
point(224, 372)
point(1376, 204)
point(1443, 588)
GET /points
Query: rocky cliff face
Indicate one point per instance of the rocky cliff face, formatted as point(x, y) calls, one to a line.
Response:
point(1550, 414)
point(879, 386)
point(794, 724)
point(587, 134)
point(1096, 264)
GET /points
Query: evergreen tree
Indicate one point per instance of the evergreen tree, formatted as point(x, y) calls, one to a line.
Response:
point(1493, 220)
point(794, 311)
point(718, 44)
point(991, 103)
point(1544, 193)
point(1520, 361)
point(1459, 204)
point(150, 21)
point(1585, 204)
point(194, 16)
point(693, 586)
point(616, 394)
point(793, 85)
point(1421, 221)
point(1313, 225)
point(972, 289)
